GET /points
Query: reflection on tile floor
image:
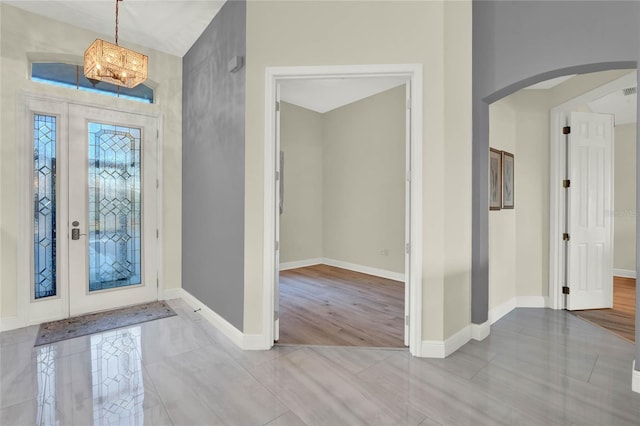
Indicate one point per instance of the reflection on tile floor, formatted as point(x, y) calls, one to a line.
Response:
point(537, 367)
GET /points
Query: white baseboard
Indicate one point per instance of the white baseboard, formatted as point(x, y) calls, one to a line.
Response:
point(250, 342)
point(501, 310)
point(480, 331)
point(442, 349)
point(172, 293)
point(11, 323)
point(216, 320)
point(457, 341)
point(635, 381)
point(625, 273)
point(432, 349)
point(284, 266)
point(254, 342)
point(532, 302)
point(396, 276)
point(517, 302)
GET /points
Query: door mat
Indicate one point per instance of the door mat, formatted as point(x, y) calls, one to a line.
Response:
point(56, 331)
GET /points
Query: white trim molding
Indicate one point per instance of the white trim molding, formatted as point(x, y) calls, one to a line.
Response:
point(444, 348)
point(396, 276)
point(413, 74)
point(480, 331)
point(390, 275)
point(532, 302)
point(248, 342)
point(501, 310)
point(171, 293)
point(285, 266)
point(635, 380)
point(11, 323)
point(216, 320)
point(624, 273)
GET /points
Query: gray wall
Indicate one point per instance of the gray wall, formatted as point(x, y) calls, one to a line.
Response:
point(213, 166)
point(518, 43)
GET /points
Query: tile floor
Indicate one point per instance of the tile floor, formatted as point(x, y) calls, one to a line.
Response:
point(538, 367)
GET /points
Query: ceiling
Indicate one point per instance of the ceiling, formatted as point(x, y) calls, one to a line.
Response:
point(620, 103)
point(548, 84)
point(170, 26)
point(323, 95)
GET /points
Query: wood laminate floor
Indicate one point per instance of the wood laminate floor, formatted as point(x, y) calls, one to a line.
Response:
point(324, 305)
point(538, 367)
point(621, 318)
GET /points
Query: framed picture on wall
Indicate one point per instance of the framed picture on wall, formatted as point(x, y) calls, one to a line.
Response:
point(508, 174)
point(495, 179)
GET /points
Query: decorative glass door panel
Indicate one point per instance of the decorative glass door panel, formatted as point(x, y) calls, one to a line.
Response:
point(44, 206)
point(112, 209)
point(90, 241)
point(115, 231)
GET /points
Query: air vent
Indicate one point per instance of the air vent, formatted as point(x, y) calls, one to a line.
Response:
point(630, 91)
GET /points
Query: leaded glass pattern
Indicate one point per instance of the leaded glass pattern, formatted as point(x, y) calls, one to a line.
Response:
point(44, 205)
point(115, 217)
point(117, 382)
point(46, 376)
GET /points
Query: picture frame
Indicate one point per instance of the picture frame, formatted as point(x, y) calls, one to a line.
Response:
point(495, 179)
point(508, 180)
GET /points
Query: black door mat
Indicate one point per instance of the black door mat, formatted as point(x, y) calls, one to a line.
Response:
point(56, 331)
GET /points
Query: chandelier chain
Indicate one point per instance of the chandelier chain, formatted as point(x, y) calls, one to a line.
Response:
point(117, 1)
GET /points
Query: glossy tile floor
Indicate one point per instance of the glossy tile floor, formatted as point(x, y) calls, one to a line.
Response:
point(538, 367)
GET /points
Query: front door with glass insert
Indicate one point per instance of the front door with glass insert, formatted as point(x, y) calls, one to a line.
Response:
point(95, 228)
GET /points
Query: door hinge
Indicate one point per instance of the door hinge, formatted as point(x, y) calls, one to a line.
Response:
point(566, 290)
point(277, 245)
point(409, 103)
point(407, 248)
point(277, 175)
point(157, 282)
point(566, 183)
point(406, 320)
point(157, 184)
point(277, 106)
point(408, 175)
point(157, 233)
point(276, 315)
point(157, 133)
point(566, 130)
point(565, 237)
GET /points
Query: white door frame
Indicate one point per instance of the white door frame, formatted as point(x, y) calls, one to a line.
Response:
point(24, 188)
point(558, 119)
point(413, 73)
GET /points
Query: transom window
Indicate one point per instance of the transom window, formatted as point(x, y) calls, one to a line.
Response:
point(69, 75)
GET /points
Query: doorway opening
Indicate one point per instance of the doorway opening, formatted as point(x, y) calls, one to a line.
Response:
point(611, 304)
point(276, 201)
point(342, 212)
point(527, 243)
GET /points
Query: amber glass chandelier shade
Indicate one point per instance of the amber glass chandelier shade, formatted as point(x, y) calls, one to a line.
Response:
point(115, 64)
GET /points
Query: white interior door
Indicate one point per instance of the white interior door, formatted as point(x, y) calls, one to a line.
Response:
point(589, 250)
point(112, 209)
point(279, 207)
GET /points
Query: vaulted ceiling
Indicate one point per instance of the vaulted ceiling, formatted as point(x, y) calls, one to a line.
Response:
point(170, 26)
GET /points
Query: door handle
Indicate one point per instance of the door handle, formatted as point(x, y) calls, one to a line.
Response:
point(75, 232)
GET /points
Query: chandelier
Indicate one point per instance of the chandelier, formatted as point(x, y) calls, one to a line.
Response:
point(104, 61)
